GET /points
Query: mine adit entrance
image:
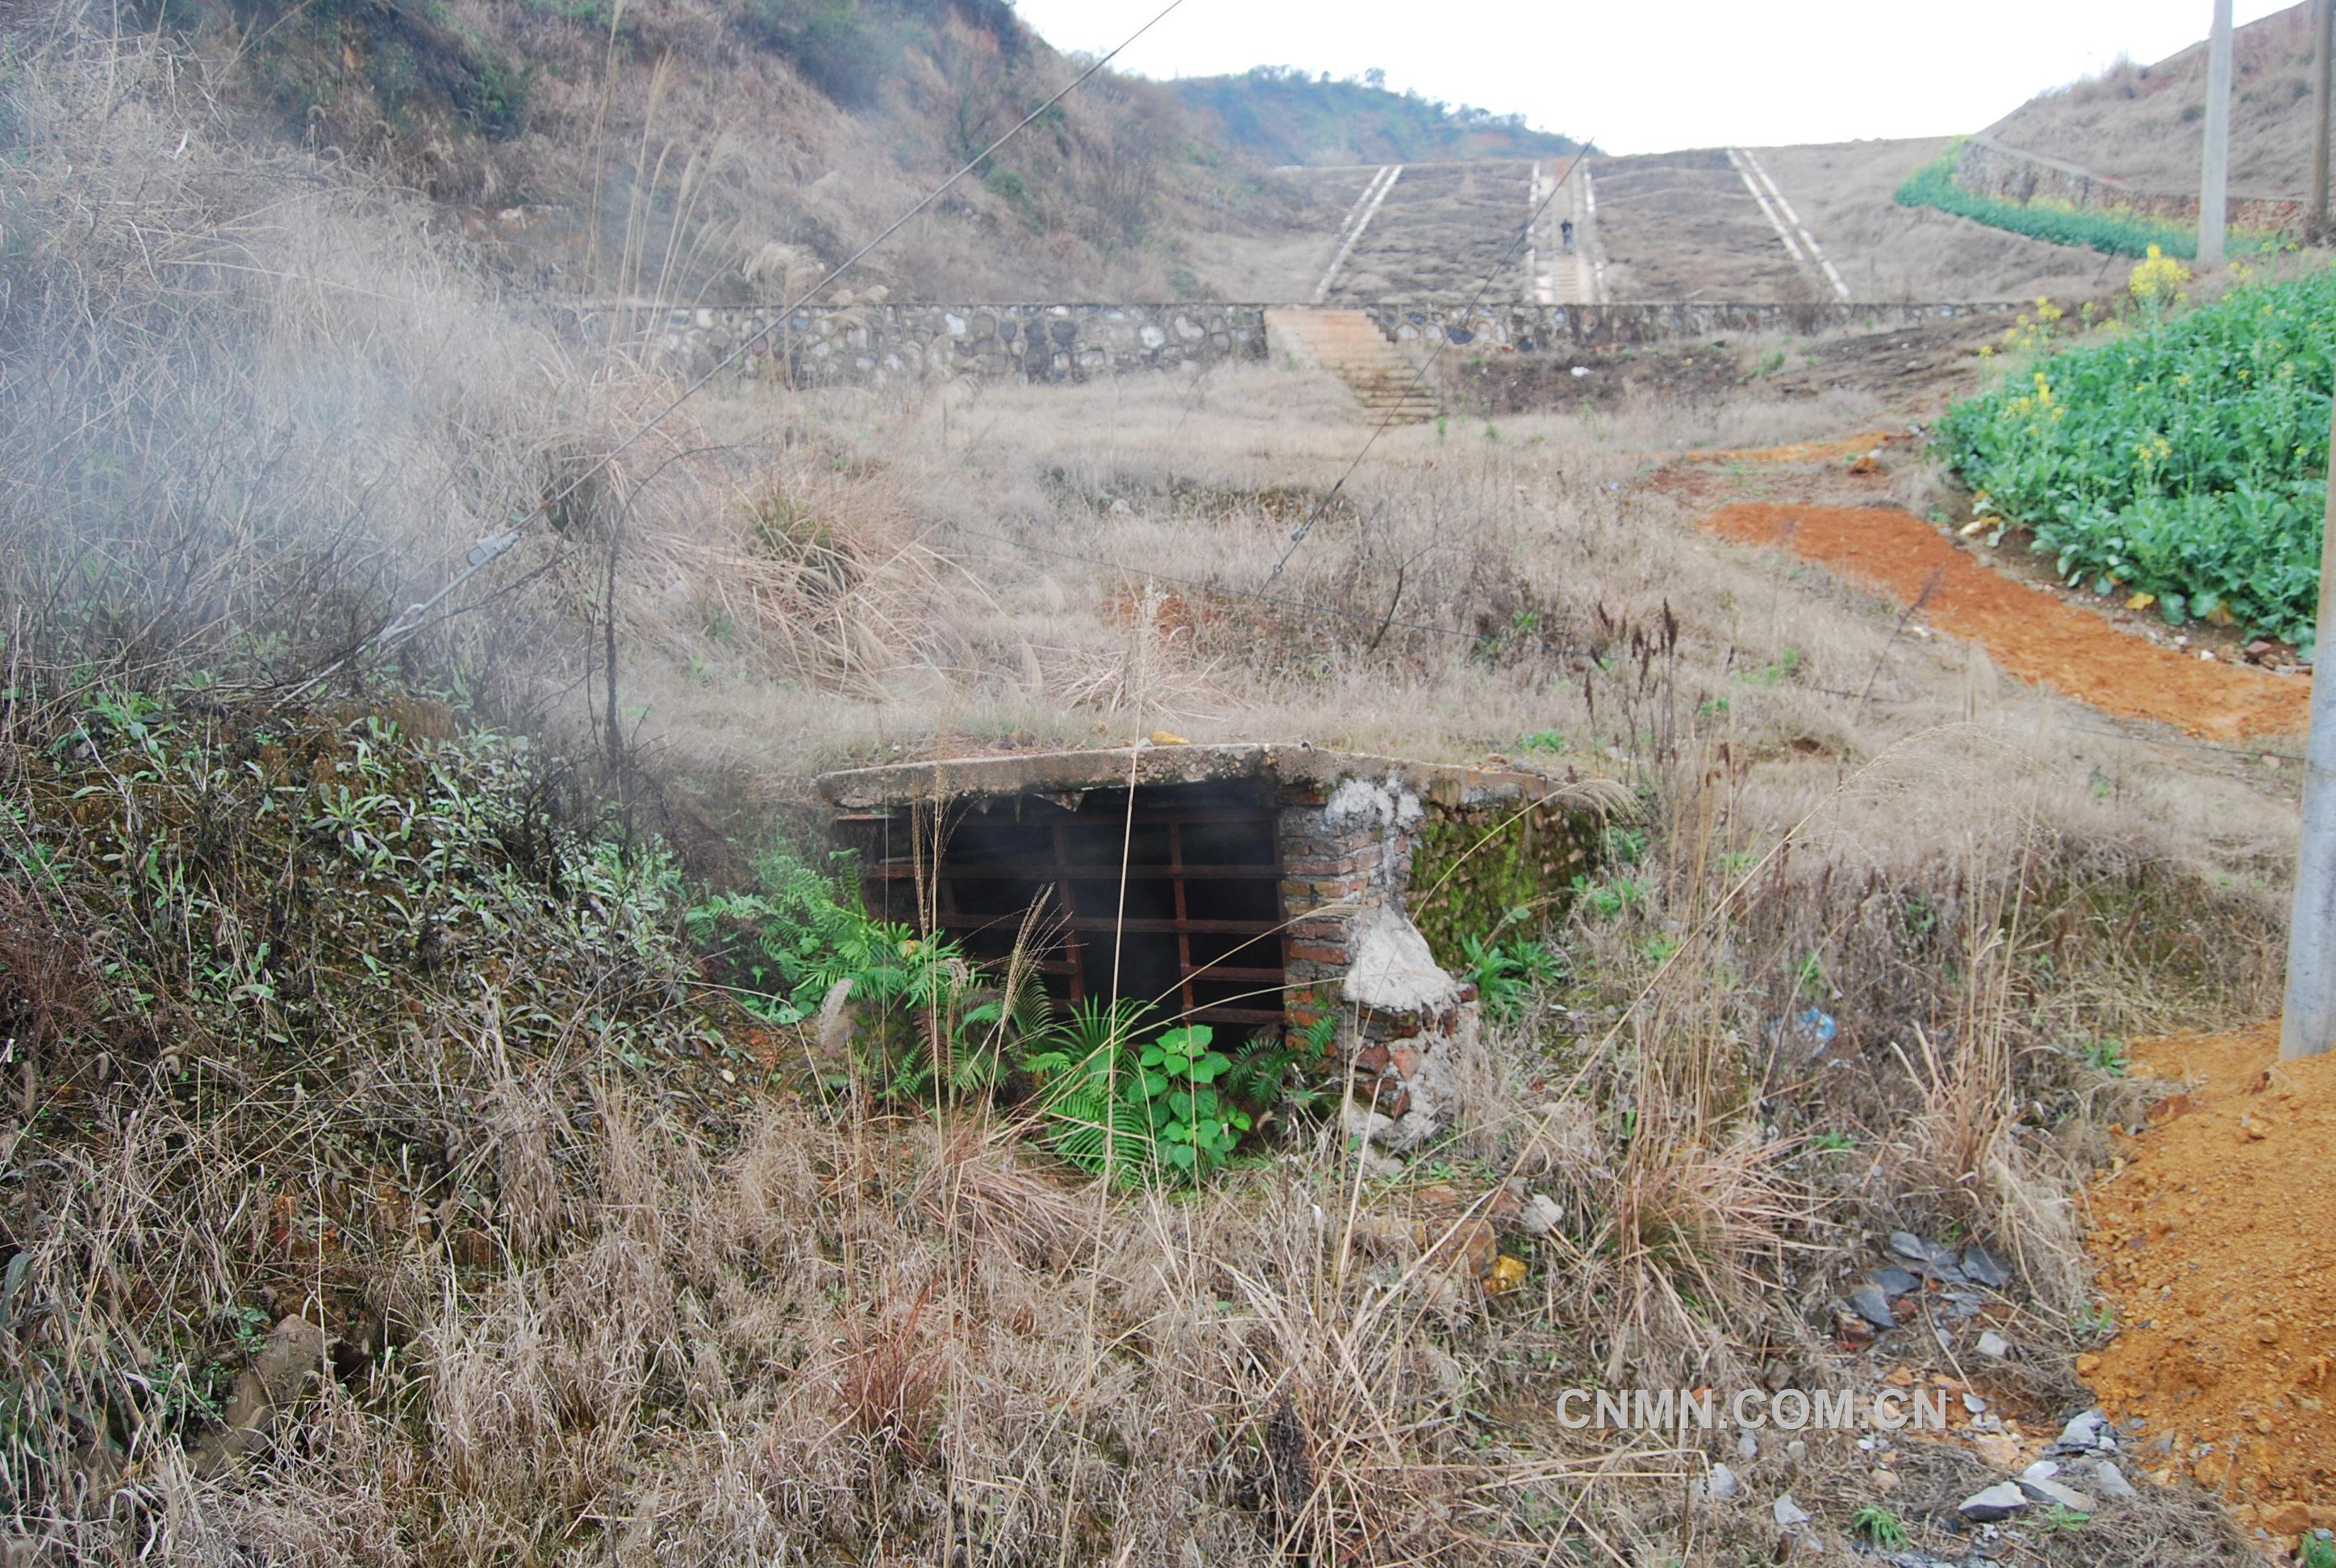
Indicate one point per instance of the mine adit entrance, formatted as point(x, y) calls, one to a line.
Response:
point(1172, 898)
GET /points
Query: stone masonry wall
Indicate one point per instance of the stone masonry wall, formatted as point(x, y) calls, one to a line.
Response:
point(876, 343)
point(883, 345)
point(1994, 169)
point(1563, 328)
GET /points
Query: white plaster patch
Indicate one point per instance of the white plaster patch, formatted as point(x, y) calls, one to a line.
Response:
point(1393, 971)
point(1359, 802)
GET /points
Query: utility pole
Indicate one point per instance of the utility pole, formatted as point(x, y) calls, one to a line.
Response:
point(2315, 228)
point(2213, 192)
point(2308, 1023)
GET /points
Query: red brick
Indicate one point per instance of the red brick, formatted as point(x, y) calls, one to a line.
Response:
point(1311, 954)
point(1406, 1063)
point(1371, 1059)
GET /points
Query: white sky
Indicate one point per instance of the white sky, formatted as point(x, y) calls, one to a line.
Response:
point(1650, 75)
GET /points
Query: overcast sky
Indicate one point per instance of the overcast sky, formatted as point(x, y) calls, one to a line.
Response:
point(1650, 75)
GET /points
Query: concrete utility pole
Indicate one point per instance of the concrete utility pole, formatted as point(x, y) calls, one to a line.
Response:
point(2214, 192)
point(2308, 1023)
point(2315, 228)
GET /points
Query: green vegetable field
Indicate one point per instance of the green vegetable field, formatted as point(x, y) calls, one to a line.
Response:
point(2186, 459)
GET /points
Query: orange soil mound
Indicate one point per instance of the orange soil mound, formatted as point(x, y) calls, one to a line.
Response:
point(2026, 631)
point(2213, 1245)
point(1798, 452)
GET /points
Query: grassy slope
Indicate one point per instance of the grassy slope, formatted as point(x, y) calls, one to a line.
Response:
point(1279, 116)
point(2144, 123)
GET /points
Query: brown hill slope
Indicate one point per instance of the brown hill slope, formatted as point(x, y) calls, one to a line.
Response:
point(722, 149)
point(2146, 124)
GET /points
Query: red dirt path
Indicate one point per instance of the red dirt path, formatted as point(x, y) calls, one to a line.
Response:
point(2211, 1241)
point(2025, 630)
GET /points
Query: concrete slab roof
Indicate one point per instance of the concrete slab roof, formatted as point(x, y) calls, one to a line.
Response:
point(1026, 773)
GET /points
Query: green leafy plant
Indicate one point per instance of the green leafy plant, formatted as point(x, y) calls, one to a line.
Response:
point(1879, 1525)
point(1134, 1109)
point(2105, 1056)
point(1609, 897)
point(1831, 1141)
point(1507, 973)
point(1272, 1069)
point(930, 1020)
point(2059, 1516)
point(1777, 673)
point(2184, 460)
point(2318, 1551)
point(1542, 740)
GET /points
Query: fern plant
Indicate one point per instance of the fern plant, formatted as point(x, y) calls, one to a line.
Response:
point(1171, 1105)
point(1081, 1066)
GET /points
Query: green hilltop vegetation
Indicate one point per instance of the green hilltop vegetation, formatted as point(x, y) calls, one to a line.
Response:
point(1280, 114)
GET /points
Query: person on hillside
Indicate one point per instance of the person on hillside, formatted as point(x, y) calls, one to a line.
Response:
point(1565, 233)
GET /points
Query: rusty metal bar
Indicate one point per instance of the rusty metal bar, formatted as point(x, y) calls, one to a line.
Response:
point(1071, 942)
point(897, 869)
point(1144, 925)
point(1184, 924)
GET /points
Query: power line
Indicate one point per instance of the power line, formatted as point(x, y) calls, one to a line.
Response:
point(1419, 374)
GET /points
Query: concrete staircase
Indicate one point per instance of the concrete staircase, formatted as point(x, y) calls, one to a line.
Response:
point(1349, 345)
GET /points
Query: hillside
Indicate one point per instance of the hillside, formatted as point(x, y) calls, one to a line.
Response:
point(2146, 124)
point(1282, 116)
point(727, 149)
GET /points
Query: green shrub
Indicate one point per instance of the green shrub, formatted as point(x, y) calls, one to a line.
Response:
point(2186, 459)
point(2116, 231)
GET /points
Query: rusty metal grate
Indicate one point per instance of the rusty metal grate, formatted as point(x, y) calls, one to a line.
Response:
point(1194, 926)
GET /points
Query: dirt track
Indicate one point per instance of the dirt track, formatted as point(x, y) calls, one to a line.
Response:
point(2026, 631)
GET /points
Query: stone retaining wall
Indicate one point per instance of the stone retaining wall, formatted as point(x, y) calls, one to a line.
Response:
point(873, 345)
point(1545, 327)
point(1993, 169)
point(883, 344)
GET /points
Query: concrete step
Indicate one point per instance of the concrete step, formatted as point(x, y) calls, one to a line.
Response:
point(1349, 345)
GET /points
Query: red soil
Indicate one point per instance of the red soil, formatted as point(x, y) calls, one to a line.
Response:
point(2025, 630)
point(2211, 1242)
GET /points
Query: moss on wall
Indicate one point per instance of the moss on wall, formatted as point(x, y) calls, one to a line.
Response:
point(1474, 864)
